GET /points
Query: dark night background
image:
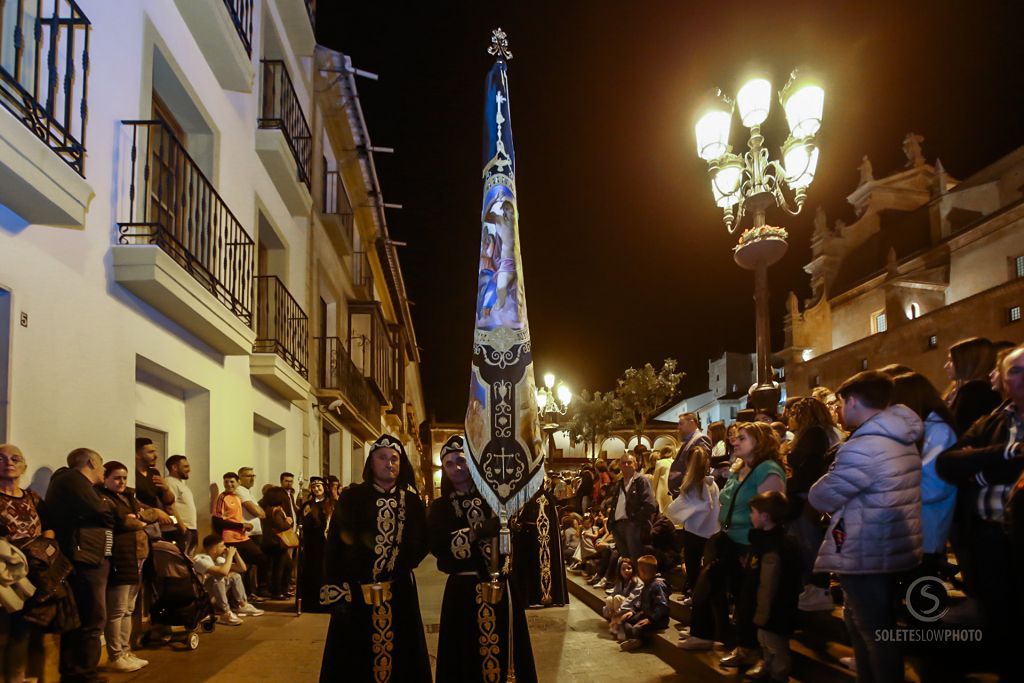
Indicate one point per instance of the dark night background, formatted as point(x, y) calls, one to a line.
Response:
point(626, 258)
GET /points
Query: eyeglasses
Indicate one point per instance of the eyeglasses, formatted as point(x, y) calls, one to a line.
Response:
point(13, 459)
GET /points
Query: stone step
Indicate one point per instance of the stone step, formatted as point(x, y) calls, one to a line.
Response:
point(809, 664)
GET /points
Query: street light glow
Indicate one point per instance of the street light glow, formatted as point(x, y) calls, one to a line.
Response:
point(549, 380)
point(564, 395)
point(542, 399)
point(713, 133)
point(804, 108)
point(753, 100)
point(801, 161)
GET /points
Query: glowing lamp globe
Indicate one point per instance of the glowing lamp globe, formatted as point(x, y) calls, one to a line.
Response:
point(753, 100)
point(804, 106)
point(542, 400)
point(564, 395)
point(549, 380)
point(713, 133)
point(800, 161)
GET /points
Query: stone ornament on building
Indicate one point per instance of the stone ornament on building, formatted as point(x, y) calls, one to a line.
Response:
point(912, 148)
point(867, 174)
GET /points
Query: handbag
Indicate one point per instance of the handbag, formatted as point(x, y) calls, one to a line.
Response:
point(288, 538)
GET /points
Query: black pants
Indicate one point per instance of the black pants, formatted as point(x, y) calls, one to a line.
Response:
point(995, 588)
point(629, 539)
point(80, 649)
point(279, 569)
point(720, 578)
point(693, 556)
point(254, 559)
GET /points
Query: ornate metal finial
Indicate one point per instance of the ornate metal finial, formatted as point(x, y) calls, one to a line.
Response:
point(499, 44)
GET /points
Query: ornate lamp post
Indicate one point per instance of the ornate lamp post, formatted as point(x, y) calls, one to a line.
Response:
point(750, 184)
point(551, 403)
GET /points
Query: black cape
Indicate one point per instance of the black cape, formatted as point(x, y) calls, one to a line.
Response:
point(386, 643)
point(473, 642)
point(311, 557)
point(537, 554)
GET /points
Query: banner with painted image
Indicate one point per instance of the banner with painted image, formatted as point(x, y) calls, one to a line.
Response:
point(503, 433)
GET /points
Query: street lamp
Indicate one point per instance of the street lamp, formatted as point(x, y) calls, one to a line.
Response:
point(552, 402)
point(751, 183)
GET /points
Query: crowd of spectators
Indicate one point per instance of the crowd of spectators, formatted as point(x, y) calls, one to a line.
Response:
point(843, 499)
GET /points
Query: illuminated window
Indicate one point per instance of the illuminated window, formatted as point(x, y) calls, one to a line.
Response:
point(879, 322)
point(863, 363)
point(914, 311)
point(1018, 264)
point(816, 382)
point(1014, 313)
point(933, 342)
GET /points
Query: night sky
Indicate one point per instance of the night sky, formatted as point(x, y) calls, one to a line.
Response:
point(626, 258)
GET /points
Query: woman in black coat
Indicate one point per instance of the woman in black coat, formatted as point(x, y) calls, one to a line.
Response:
point(315, 513)
point(130, 550)
point(970, 394)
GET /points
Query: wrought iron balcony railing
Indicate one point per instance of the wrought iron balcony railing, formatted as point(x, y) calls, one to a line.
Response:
point(281, 325)
point(174, 206)
point(281, 110)
point(336, 203)
point(44, 69)
point(337, 372)
point(241, 12)
point(362, 276)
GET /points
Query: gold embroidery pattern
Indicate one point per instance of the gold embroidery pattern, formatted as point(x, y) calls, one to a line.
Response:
point(460, 545)
point(390, 523)
point(383, 643)
point(490, 646)
point(543, 541)
point(331, 593)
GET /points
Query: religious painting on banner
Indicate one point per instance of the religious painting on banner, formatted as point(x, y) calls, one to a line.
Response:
point(503, 433)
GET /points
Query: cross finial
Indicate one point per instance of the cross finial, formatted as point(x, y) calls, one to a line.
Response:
point(499, 44)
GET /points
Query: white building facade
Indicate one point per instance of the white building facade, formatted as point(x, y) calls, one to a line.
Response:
point(161, 251)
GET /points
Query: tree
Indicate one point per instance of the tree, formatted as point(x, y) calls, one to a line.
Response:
point(593, 418)
point(642, 392)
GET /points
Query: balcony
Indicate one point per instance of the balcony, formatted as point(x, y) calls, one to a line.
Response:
point(44, 59)
point(180, 249)
point(340, 382)
point(280, 351)
point(362, 276)
point(283, 140)
point(337, 214)
point(372, 347)
point(223, 31)
point(299, 20)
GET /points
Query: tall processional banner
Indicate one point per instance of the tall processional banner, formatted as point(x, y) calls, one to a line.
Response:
point(503, 434)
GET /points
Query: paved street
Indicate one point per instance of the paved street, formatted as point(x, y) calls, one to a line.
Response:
point(569, 643)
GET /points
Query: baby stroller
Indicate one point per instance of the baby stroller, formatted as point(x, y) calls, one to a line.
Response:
point(178, 598)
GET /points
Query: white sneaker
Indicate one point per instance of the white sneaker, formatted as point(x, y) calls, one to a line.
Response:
point(123, 664)
point(229, 619)
point(248, 610)
point(138, 660)
point(815, 600)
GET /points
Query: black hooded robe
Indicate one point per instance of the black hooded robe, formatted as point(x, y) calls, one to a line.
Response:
point(375, 535)
point(538, 568)
point(473, 643)
point(311, 571)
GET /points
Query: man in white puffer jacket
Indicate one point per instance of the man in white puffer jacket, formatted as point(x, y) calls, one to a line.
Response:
point(873, 492)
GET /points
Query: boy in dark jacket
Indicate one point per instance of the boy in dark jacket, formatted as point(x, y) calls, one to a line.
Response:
point(653, 613)
point(773, 583)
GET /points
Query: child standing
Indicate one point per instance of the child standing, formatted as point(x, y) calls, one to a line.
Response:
point(653, 613)
point(773, 583)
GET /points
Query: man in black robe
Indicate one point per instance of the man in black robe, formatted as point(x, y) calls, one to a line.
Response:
point(539, 569)
point(315, 513)
point(377, 536)
point(473, 643)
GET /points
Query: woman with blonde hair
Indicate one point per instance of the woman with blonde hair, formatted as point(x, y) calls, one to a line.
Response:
point(696, 510)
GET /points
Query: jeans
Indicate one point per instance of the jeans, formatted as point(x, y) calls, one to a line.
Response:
point(254, 559)
point(80, 649)
point(808, 535)
point(120, 607)
point(628, 539)
point(868, 606)
point(221, 587)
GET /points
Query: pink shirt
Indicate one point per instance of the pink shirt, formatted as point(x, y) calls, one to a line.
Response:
point(229, 507)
